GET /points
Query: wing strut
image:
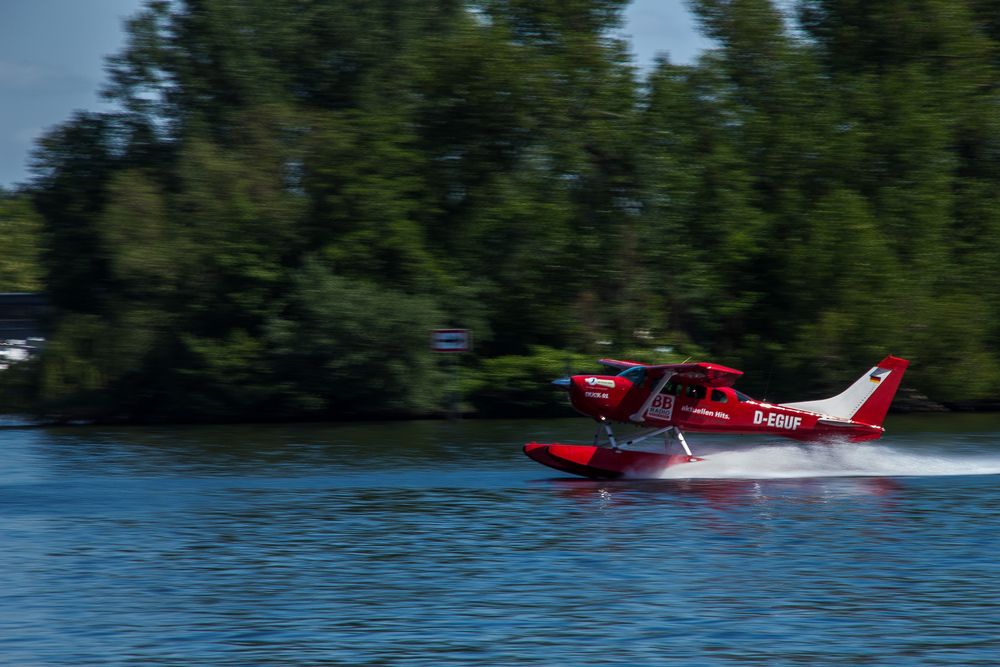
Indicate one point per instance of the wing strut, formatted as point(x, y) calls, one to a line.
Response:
point(640, 414)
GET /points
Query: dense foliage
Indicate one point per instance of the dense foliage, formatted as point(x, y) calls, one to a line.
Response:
point(293, 194)
point(20, 245)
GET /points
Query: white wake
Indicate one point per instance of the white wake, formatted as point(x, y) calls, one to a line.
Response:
point(778, 461)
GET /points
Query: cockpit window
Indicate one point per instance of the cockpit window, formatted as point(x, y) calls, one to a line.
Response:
point(636, 374)
point(719, 396)
point(696, 391)
point(741, 397)
point(671, 388)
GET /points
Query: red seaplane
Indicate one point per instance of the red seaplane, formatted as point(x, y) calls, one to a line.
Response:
point(673, 398)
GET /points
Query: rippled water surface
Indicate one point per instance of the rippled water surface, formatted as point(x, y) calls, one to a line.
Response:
point(438, 543)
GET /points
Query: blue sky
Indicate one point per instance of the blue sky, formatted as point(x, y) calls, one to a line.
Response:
point(52, 60)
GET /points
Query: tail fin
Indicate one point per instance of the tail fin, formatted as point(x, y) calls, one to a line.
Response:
point(868, 399)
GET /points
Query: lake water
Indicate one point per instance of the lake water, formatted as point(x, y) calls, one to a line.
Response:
point(435, 543)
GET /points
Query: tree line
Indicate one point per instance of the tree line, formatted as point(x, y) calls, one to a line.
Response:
point(289, 196)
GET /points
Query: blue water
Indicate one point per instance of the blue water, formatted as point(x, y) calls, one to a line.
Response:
point(441, 544)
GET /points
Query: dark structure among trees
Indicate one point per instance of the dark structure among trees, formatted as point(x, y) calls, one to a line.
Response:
point(23, 315)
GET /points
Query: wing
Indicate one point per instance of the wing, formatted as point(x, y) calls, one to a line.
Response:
point(620, 365)
point(712, 375)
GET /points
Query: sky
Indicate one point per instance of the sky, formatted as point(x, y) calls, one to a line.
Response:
point(52, 56)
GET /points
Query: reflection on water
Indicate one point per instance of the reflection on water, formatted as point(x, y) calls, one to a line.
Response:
point(723, 492)
point(440, 543)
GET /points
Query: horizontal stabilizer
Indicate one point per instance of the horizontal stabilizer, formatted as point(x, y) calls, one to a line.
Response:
point(839, 423)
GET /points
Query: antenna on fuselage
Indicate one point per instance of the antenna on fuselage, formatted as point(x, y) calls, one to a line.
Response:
point(767, 385)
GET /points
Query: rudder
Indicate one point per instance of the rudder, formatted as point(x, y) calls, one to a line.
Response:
point(889, 373)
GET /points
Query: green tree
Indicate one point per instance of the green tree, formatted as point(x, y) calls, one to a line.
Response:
point(350, 347)
point(20, 253)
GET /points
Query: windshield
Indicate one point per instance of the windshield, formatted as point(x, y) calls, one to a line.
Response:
point(636, 374)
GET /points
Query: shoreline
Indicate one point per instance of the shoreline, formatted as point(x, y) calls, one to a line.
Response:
point(908, 406)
